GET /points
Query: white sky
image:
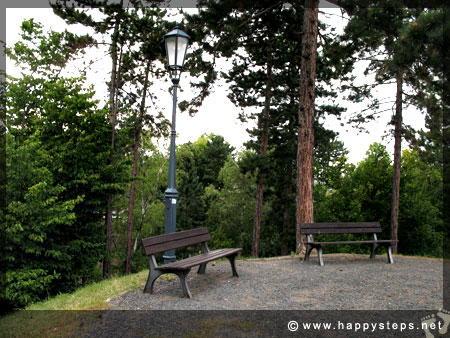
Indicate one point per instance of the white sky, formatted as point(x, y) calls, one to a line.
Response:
point(217, 114)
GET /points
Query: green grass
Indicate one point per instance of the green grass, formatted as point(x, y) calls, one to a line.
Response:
point(48, 318)
point(93, 296)
point(41, 319)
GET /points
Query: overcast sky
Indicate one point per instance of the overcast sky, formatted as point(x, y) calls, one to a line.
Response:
point(217, 115)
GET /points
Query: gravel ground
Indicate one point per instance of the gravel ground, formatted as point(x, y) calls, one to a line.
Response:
point(346, 282)
point(270, 294)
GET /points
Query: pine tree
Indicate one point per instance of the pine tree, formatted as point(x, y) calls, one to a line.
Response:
point(128, 29)
point(375, 31)
point(305, 161)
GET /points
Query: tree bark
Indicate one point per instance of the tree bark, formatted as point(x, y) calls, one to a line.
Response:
point(286, 212)
point(137, 141)
point(305, 203)
point(265, 122)
point(112, 119)
point(397, 160)
point(144, 203)
point(108, 240)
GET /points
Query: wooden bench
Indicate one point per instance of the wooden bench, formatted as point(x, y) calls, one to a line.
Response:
point(156, 244)
point(309, 229)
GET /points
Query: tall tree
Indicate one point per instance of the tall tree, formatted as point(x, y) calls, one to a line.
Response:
point(375, 29)
point(421, 49)
point(137, 141)
point(305, 161)
point(124, 29)
point(265, 77)
point(147, 26)
point(251, 28)
point(111, 22)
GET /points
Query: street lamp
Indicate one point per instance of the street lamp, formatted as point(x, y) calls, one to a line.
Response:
point(176, 42)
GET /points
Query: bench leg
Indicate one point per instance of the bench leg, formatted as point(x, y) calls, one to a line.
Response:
point(389, 253)
point(309, 248)
point(182, 276)
point(319, 252)
point(202, 269)
point(233, 266)
point(374, 249)
point(152, 276)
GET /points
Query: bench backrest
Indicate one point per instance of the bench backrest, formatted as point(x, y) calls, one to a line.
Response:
point(175, 240)
point(339, 228)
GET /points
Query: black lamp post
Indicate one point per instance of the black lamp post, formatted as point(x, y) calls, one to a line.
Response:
point(176, 46)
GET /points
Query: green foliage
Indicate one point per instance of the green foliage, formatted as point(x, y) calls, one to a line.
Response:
point(28, 285)
point(421, 47)
point(359, 194)
point(36, 212)
point(363, 193)
point(211, 152)
point(198, 167)
point(41, 53)
point(372, 180)
point(230, 215)
point(58, 176)
point(420, 227)
point(190, 206)
point(148, 212)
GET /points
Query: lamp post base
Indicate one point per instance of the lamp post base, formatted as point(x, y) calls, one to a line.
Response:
point(170, 220)
point(169, 257)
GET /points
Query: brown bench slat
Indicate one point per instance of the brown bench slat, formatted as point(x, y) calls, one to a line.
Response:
point(175, 244)
point(190, 262)
point(344, 228)
point(339, 231)
point(194, 260)
point(356, 242)
point(181, 268)
point(174, 236)
point(340, 225)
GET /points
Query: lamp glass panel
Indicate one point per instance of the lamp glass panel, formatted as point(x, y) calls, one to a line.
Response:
point(170, 47)
point(182, 46)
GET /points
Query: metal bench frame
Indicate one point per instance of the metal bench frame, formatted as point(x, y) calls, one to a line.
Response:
point(181, 268)
point(310, 229)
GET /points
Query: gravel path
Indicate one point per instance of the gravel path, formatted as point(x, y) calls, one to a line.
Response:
point(346, 282)
point(287, 289)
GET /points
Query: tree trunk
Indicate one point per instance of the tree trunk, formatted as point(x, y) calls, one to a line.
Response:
point(265, 123)
point(137, 141)
point(112, 119)
point(397, 161)
point(305, 203)
point(286, 212)
point(108, 240)
point(144, 203)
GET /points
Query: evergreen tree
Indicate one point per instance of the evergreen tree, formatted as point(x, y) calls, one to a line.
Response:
point(305, 161)
point(383, 34)
point(133, 36)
